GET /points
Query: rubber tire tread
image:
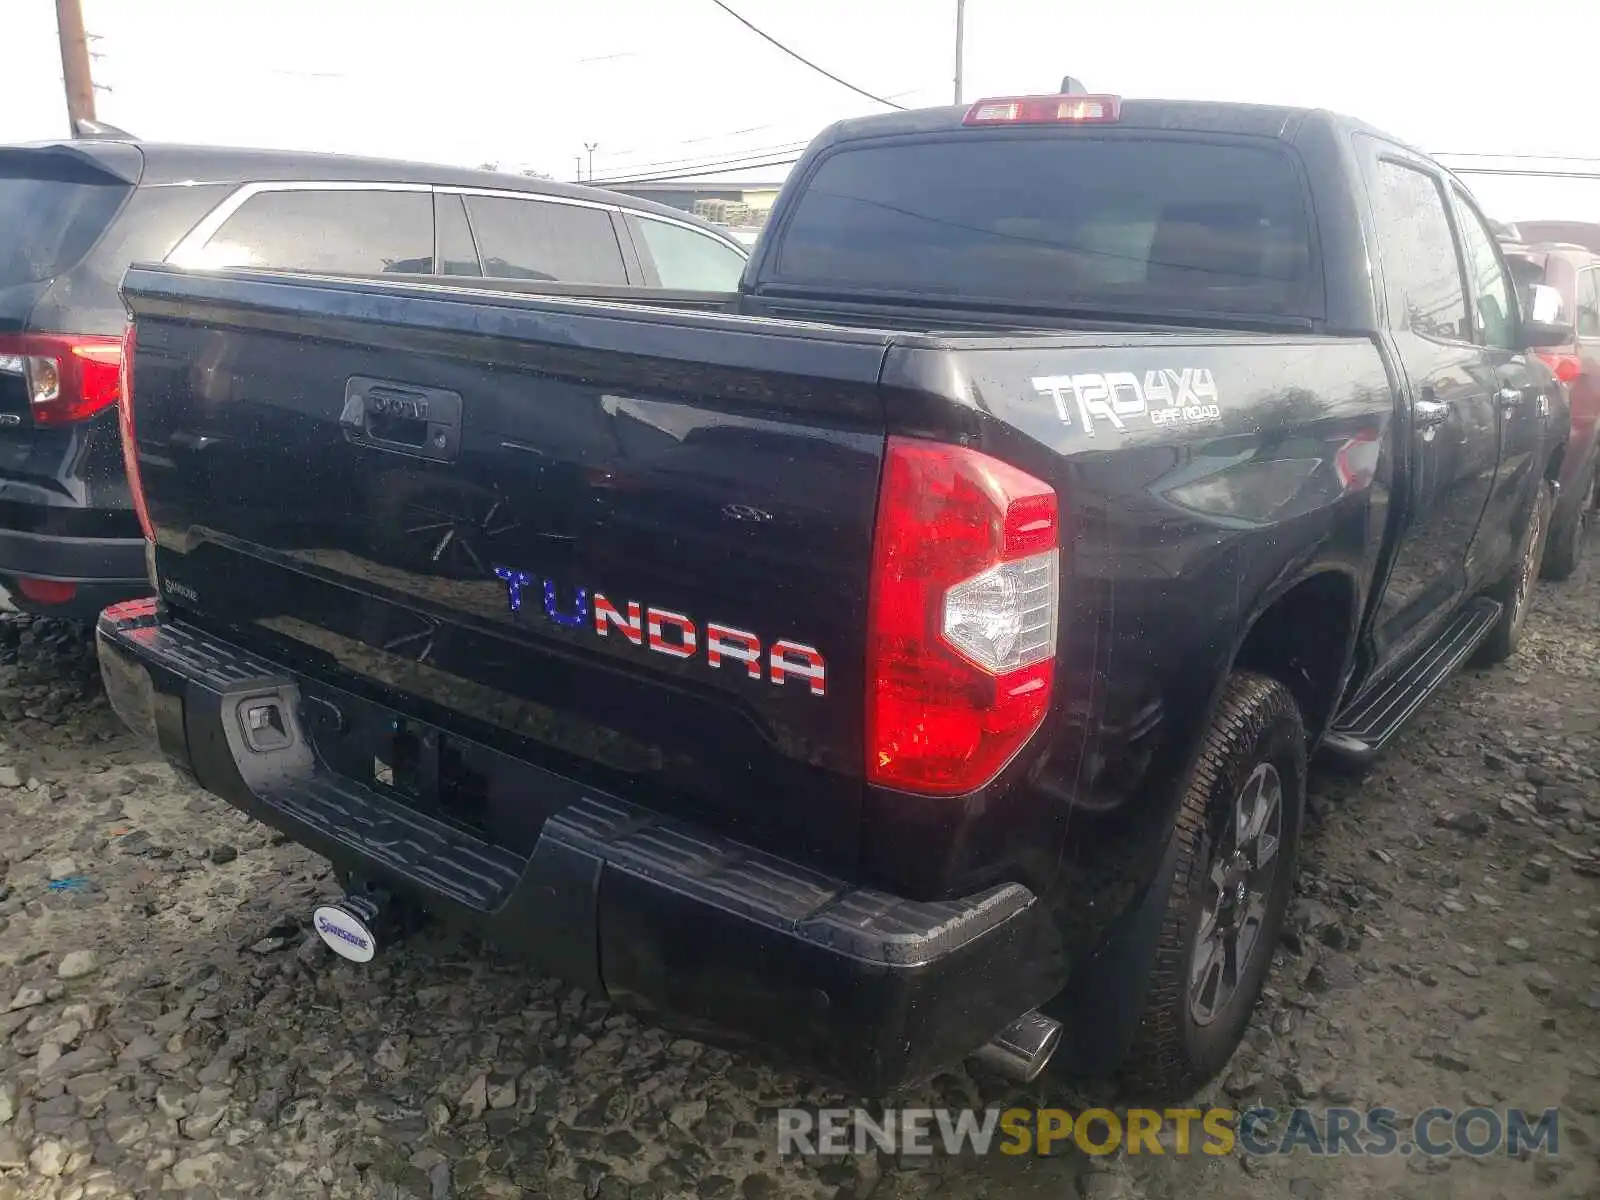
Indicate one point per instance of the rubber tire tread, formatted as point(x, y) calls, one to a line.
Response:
point(1564, 549)
point(1160, 1064)
point(1506, 636)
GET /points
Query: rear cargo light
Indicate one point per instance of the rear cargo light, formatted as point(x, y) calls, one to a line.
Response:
point(1565, 365)
point(130, 453)
point(68, 378)
point(961, 617)
point(1045, 110)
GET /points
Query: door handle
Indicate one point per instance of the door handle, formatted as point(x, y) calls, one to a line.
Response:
point(1510, 397)
point(1430, 414)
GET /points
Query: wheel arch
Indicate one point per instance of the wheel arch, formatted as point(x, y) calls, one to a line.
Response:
point(1304, 636)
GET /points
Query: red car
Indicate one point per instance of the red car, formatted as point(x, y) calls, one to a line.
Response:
point(1574, 271)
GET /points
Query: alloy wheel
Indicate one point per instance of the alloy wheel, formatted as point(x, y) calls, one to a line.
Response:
point(1238, 889)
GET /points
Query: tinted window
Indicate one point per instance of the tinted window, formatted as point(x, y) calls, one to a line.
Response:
point(52, 210)
point(1589, 303)
point(1527, 270)
point(334, 232)
point(1146, 224)
point(688, 259)
point(1524, 271)
point(535, 239)
point(457, 254)
point(1491, 291)
point(1419, 256)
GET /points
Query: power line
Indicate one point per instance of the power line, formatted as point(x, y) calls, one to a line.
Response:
point(722, 169)
point(699, 156)
point(657, 147)
point(1515, 157)
point(1527, 173)
point(666, 169)
point(801, 58)
point(797, 144)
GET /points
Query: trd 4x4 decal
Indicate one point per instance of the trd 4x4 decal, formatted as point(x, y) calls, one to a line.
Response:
point(1163, 397)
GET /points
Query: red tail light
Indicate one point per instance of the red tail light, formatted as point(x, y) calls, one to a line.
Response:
point(962, 617)
point(68, 378)
point(47, 591)
point(130, 453)
point(1564, 365)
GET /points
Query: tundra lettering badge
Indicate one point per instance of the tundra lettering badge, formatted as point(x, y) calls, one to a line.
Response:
point(666, 632)
point(1165, 396)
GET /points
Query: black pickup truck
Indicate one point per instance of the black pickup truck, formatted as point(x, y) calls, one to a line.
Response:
point(914, 655)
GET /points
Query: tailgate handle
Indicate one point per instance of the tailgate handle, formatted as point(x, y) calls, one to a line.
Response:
point(402, 418)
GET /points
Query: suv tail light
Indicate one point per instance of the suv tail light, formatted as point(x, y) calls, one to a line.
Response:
point(961, 618)
point(68, 378)
point(47, 591)
point(130, 453)
point(1565, 365)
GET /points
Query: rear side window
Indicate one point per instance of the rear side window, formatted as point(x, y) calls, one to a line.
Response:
point(1588, 318)
point(333, 231)
point(539, 239)
point(1068, 220)
point(1491, 291)
point(688, 259)
point(1420, 267)
point(53, 208)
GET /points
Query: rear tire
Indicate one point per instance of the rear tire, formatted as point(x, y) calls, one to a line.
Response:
point(1565, 547)
point(1515, 592)
point(1225, 912)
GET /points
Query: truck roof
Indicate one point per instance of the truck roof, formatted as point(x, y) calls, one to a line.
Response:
point(1195, 116)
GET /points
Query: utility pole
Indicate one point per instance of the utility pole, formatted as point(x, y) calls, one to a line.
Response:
point(591, 147)
point(75, 62)
point(577, 160)
point(961, 29)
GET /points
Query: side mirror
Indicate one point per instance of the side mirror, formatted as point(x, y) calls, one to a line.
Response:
point(1545, 323)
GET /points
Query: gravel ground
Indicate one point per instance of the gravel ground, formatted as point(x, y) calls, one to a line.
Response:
point(167, 1024)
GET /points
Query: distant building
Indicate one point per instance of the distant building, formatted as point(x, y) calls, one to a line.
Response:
point(735, 203)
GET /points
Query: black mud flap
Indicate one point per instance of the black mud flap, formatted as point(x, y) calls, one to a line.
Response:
point(1100, 1008)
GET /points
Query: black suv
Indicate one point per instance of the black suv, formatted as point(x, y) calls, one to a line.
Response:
point(74, 215)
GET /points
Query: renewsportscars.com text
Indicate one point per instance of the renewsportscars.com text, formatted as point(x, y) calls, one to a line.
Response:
point(1434, 1132)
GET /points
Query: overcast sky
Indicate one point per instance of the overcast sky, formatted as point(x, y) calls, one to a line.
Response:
point(526, 82)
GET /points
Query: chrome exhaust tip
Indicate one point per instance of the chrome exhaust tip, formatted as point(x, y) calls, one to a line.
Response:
point(1023, 1048)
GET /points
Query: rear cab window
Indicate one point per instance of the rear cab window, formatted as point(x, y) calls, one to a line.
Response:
point(1133, 222)
point(54, 205)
